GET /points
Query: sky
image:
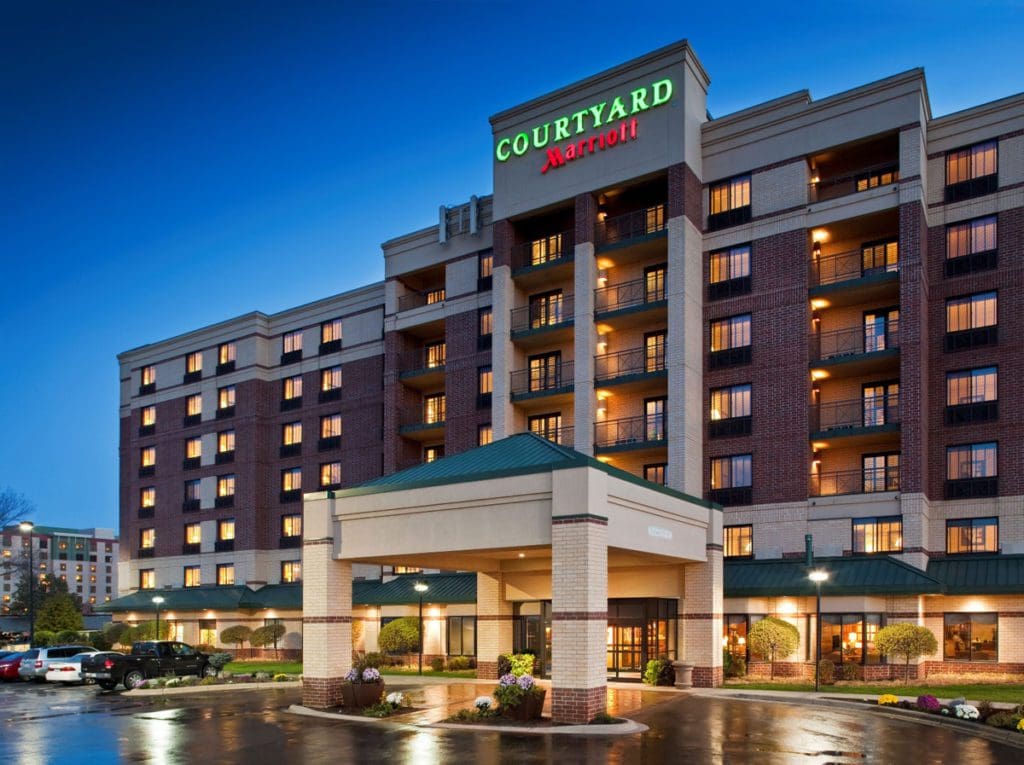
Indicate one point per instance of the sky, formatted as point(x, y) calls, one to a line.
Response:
point(165, 165)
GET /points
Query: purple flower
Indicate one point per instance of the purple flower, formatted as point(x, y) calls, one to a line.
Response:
point(506, 680)
point(352, 675)
point(525, 682)
point(371, 675)
point(928, 703)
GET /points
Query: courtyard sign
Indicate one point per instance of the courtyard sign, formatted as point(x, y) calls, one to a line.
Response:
point(620, 109)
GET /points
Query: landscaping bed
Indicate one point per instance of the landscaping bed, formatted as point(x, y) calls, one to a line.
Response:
point(1012, 693)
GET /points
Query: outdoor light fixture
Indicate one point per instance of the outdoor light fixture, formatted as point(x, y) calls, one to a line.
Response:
point(602, 276)
point(818, 576)
point(157, 600)
point(421, 587)
point(26, 528)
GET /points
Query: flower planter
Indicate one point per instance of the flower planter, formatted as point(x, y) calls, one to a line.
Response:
point(366, 694)
point(527, 709)
point(348, 696)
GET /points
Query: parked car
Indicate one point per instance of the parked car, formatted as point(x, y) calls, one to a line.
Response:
point(35, 661)
point(148, 659)
point(9, 666)
point(70, 670)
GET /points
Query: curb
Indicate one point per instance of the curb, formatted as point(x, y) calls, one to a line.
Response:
point(192, 689)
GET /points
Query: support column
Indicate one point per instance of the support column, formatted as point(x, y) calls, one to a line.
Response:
point(326, 611)
point(701, 618)
point(584, 331)
point(493, 624)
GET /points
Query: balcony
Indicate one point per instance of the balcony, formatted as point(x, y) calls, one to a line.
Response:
point(290, 450)
point(289, 495)
point(850, 343)
point(191, 419)
point(543, 318)
point(869, 481)
point(289, 543)
point(975, 411)
point(191, 463)
point(729, 357)
point(327, 443)
point(630, 366)
point(223, 458)
point(147, 471)
point(423, 367)
point(191, 377)
point(978, 337)
point(421, 422)
point(562, 436)
point(224, 545)
point(147, 388)
point(732, 495)
point(974, 187)
point(631, 227)
point(331, 346)
point(191, 548)
point(333, 394)
point(227, 500)
point(842, 267)
point(225, 411)
point(291, 357)
point(190, 506)
point(146, 430)
point(860, 180)
point(225, 367)
point(729, 218)
point(290, 404)
point(835, 418)
point(729, 288)
point(729, 427)
point(420, 298)
point(543, 254)
point(147, 512)
point(972, 263)
point(627, 297)
point(548, 380)
point(971, 488)
point(630, 433)
point(146, 552)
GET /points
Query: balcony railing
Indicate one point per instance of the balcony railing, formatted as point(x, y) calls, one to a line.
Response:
point(855, 413)
point(863, 179)
point(866, 481)
point(627, 295)
point(543, 315)
point(630, 430)
point(423, 360)
point(844, 266)
point(420, 416)
point(562, 436)
point(547, 250)
point(852, 341)
point(635, 361)
point(543, 379)
point(631, 225)
point(412, 300)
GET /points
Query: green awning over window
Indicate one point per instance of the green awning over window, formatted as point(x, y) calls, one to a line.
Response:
point(847, 576)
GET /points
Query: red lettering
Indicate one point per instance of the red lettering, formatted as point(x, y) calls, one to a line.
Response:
point(555, 159)
point(570, 151)
point(579, 151)
point(600, 141)
point(590, 144)
point(622, 132)
point(612, 138)
point(632, 128)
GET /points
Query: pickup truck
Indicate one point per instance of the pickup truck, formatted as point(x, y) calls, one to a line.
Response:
point(148, 659)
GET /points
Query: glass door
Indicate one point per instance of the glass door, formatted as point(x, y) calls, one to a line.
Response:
point(625, 650)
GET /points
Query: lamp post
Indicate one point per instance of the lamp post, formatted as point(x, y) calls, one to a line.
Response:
point(421, 587)
point(817, 576)
point(26, 528)
point(157, 600)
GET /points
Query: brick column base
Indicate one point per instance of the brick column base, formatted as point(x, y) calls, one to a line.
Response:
point(322, 693)
point(707, 677)
point(577, 705)
point(487, 670)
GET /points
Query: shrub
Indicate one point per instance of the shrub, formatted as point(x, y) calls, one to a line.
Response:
point(226, 675)
point(100, 641)
point(172, 682)
point(928, 703)
point(985, 709)
point(188, 681)
point(850, 671)
point(603, 718)
point(907, 640)
point(437, 664)
point(237, 635)
point(773, 638)
point(517, 664)
point(208, 681)
point(1004, 719)
point(659, 672)
point(206, 648)
point(67, 637)
point(375, 660)
point(400, 636)
point(826, 672)
point(458, 663)
point(219, 660)
point(504, 664)
point(267, 635)
point(44, 638)
point(737, 667)
point(114, 631)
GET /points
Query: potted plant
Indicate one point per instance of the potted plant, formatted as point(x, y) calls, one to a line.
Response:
point(362, 688)
point(519, 698)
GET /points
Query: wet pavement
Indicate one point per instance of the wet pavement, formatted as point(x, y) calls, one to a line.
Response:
point(47, 724)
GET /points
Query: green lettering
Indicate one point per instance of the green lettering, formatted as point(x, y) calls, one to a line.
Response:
point(639, 100)
point(520, 144)
point(561, 128)
point(597, 111)
point(618, 110)
point(578, 116)
point(661, 91)
point(502, 152)
point(539, 143)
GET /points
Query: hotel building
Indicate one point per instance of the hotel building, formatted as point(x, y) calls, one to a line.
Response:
point(667, 339)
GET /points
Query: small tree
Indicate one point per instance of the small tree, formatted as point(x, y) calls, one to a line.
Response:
point(58, 613)
point(114, 631)
point(907, 640)
point(237, 635)
point(400, 636)
point(266, 635)
point(774, 638)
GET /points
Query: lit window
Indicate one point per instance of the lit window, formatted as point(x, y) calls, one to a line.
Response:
point(435, 354)
point(192, 576)
point(330, 426)
point(485, 380)
point(148, 416)
point(226, 441)
point(654, 352)
point(970, 163)
point(486, 265)
point(971, 312)
point(972, 535)
point(432, 453)
point(147, 497)
point(434, 408)
point(970, 637)
point(971, 237)
point(547, 426)
point(730, 402)
point(291, 479)
point(654, 283)
point(739, 541)
point(147, 579)
point(148, 456)
point(546, 249)
point(730, 194)
point(546, 309)
point(876, 178)
point(292, 341)
point(330, 331)
point(733, 263)
point(225, 574)
point(330, 475)
point(484, 435)
point(291, 433)
point(226, 485)
point(291, 525)
point(733, 332)
point(193, 534)
point(226, 397)
point(968, 461)
point(731, 472)
point(971, 386)
point(147, 538)
point(486, 322)
point(330, 378)
point(435, 295)
point(655, 473)
point(149, 375)
point(194, 362)
point(194, 405)
point(878, 535)
point(193, 448)
point(225, 353)
point(292, 387)
point(291, 571)
point(226, 529)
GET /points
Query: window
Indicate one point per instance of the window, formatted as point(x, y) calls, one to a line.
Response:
point(291, 571)
point(547, 426)
point(330, 475)
point(330, 378)
point(194, 362)
point(971, 395)
point(484, 381)
point(971, 461)
point(434, 354)
point(880, 330)
point(148, 416)
point(655, 473)
point(879, 406)
point(970, 637)
point(192, 577)
point(850, 638)
point(291, 433)
point(731, 472)
point(194, 405)
point(461, 635)
point(877, 535)
point(971, 312)
point(546, 249)
point(226, 529)
point(193, 448)
point(226, 485)
point(971, 237)
point(654, 284)
point(435, 295)
point(225, 353)
point(880, 472)
point(484, 435)
point(291, 525)
point(972, 171)
point(292, 388)
point(291, 479)
point(730, 202)
point(727, 265)
point(434, 408)
point(972, 535)
point(147, 497)
point(225, 574)
point(147, 539)
point(193, 534)
point(739, 541)
point(147, 579)
point(147, 456)
point(485, 322)
point(330, 331)
point(330, 426)
point(876, 178)
point(485, 268)
point(432, 453)
point(879, 258)
point(727, 403)
point(148, 376)
point(654, 352)
point(545, 371)
point(546, 309)
point(291, 342)
point(654, 419)
point(226, 397)
point(733, 332)
point(225, 441)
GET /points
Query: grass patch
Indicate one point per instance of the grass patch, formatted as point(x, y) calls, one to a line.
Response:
point(271, 667)
point(1011, 693)
point(470, 673)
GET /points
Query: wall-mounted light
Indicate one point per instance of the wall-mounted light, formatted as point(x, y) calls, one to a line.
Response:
point(819, 374)
point(819, 235)
point(602, 342)
point(602, 277)
point(816, 459)
point(818, 303)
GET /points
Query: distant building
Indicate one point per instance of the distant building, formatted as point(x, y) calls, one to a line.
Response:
point(84, 558)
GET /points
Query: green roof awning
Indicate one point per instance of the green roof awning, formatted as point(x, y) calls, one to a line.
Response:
point(442, 588)
point(184, 599)
point(983, 575)
point(847, 576)
point(272, 596)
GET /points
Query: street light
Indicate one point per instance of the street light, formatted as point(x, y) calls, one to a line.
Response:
point(26, 528)
point(157, 600)
point(817, 576)
point(421, 587)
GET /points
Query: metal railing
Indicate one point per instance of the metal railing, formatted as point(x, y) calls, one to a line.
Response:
point(866, 481)
point(554, 248)
point(423, 359)
point(421, 415)
point(855, 413)
point(630, 430)
point(844, 266)
point(539, 379)
point(851, 341)
point(841, 185)
point(412, 300)
point(562, 436)
point(626, 295)
point(634, 361)
point(631, 225)
point(543, 314)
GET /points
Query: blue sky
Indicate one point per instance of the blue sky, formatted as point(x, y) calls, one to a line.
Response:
point(166, 165)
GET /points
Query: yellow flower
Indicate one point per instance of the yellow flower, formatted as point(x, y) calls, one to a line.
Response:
point(1020, 725)
point(887, 700)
